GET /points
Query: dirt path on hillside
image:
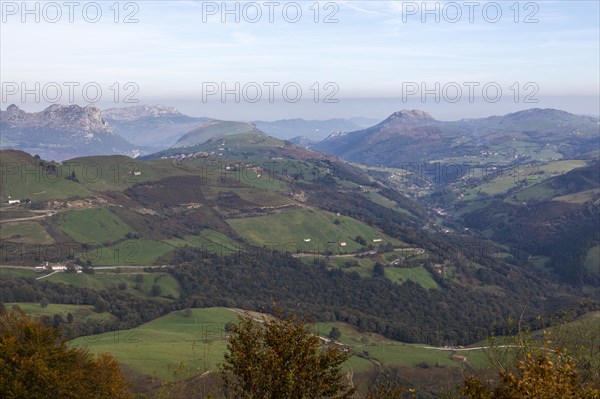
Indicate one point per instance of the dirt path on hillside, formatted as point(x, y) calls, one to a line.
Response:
point(44, 214)
point(49, 274)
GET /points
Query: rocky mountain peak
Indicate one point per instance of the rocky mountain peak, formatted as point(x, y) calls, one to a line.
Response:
point(139, 112)
point(14, 109)
point(73, 118)
point(80, 121)
point(412, 114)
point(62, 131)
point(13, 114)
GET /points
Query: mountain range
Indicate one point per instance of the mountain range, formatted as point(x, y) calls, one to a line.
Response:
point(315, 130)
point(415, 136)
point(230, 216)
point(60, 132)
point(155, 126)
point(242, 140)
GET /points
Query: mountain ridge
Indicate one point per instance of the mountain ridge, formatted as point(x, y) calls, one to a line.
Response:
point(154, 126)
point(61, 131)
point(139, 111)
point(413, 135)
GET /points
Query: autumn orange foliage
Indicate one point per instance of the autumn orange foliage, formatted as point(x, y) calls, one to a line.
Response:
point(35, 362)
point(543, 374)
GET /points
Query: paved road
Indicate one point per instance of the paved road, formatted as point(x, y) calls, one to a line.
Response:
point(95, 268)
point(44, 214)
point(475, 348)
point(16, 267)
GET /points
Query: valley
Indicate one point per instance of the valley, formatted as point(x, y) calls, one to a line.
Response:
point(416, 263)
point(300, 200)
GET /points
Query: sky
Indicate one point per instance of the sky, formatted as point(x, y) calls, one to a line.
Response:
point(270, 60)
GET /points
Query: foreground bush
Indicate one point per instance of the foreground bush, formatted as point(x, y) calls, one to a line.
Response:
point(544, 373)
point(35, 362)
point(282, 359)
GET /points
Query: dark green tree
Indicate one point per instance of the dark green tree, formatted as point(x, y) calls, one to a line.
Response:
point(335, 333)
point(279, 359)
point(379, 270)
point(155, 290)
point(100, 305)
point(44, 302)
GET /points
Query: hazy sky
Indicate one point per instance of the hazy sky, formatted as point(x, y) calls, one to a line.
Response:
point(373, 57)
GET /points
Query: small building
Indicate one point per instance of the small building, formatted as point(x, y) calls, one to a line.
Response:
point(137, 173)
point(342, 244)
point(459, 358)
point(10, 202)
point(307, 240)
point(377, 240)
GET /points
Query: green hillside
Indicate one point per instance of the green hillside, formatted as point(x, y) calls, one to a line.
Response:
point(124, 211)
point(25, 177)
point(79, 312)
point(25, 232)
point(158, 346)
point(215, 130)
point(92, 226)
point(117, 172)
point(292, 228)
point(135, 282)
point(199, 341)
point(190, 209)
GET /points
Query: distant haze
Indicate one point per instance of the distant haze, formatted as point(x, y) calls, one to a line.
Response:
point(379, 108)
point(181, 54)
point(375, 108)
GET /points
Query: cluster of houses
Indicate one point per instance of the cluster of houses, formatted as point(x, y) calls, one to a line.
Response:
point(47, 267)
point(181, 157)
